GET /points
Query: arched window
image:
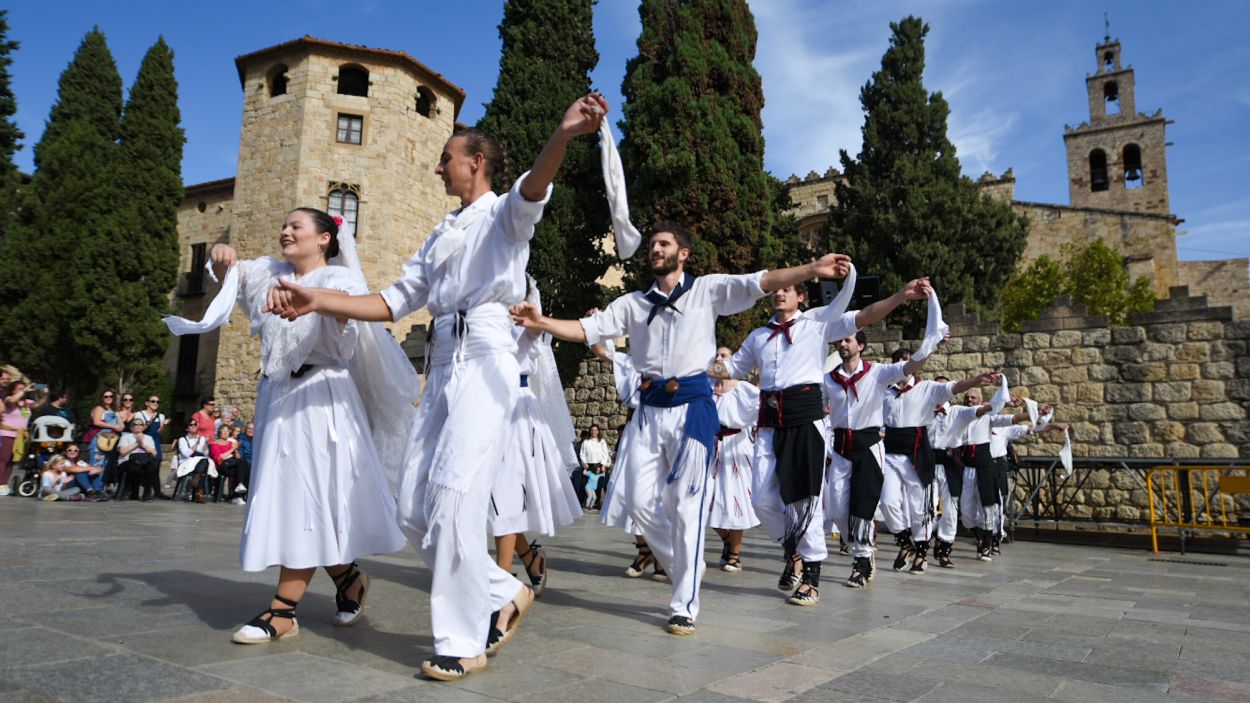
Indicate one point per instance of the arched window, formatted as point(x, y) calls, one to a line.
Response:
point(1098, 170)
point(1111, 95)
point(277, 81)
point(344, 201)
point(353, 80)
point(426, 102)
point(1134, 174)
point(1108, 60)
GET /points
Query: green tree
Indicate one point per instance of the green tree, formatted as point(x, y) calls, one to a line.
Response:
point(1093, 274)
point(10, 135)
point(145, 269)
point(48, 264)
point(548, 53)
point(693, 148)
point(904, 210)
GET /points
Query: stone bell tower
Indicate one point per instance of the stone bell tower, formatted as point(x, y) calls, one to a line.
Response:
point(1117, 160)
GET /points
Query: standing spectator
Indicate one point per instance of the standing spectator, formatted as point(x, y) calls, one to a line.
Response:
point(106, 428)
point(155, 421)
point(58, 405)
point(127, 409)
point(138, 460)
point(204, 422)
point(595, 455)
point(12, 423)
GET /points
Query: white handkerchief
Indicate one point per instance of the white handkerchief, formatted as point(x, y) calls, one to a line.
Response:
point(1001, 397)
point(627, 236)
point(935, 329)
point(218, 312)
point(1065, 454)
point(1031, 405)
point(842, 300)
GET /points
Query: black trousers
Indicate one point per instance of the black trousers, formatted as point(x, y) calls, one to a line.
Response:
point(142, 471)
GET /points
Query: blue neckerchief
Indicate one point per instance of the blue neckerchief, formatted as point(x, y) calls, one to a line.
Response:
point(659, 301)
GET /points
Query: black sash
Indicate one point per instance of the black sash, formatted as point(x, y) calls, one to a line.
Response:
point(912, 442)
point(799, 448)
point(866, 479)
point(978, 457)
point(953, 468)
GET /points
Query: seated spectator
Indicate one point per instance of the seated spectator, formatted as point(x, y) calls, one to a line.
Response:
point(137, 454)
point(56, 483)
point(225, 453)
point(193, 459)
point(87, 477)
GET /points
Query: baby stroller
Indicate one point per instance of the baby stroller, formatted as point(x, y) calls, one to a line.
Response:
point(49, 435)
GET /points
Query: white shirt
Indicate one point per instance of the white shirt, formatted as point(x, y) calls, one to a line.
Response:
point(846, 409)
point(187, 446)
point(595, 451)
point(675, 344)
point(143, 445)
point(914, 408)
point(783, 364)
point(980, 430)
point(490, 268)
point(1001, 436)
point(947, 430)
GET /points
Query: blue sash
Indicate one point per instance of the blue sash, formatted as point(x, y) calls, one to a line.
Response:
point(702, 422)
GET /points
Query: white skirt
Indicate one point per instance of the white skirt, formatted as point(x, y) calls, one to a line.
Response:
point(318, 495)
point(732, 472)
point(614, 512)
point(532, 490)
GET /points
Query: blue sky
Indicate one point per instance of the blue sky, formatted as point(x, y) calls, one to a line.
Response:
point(1013, 73)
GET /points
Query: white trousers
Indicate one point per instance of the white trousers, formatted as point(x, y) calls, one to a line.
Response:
point(949, 521)
point(674, 529)
point(904, 500)
point(467, 583)
point(838, 498)
point(769, 508)
point(972, 512)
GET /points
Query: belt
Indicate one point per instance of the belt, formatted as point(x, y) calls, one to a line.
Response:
point(525, 380)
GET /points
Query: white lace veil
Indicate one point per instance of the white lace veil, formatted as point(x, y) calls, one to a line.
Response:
point(545, 384)
point(385, 378)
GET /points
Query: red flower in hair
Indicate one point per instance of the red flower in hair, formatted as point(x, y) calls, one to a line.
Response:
point(338, 220)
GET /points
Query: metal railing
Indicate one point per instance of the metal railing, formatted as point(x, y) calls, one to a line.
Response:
point(1192, 498)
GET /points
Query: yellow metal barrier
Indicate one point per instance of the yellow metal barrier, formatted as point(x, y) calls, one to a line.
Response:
point(1195, 498)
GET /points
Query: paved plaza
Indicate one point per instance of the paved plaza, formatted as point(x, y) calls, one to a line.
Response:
point(136, 602)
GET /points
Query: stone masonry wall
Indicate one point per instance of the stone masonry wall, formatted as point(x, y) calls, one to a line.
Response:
point(1175, 384)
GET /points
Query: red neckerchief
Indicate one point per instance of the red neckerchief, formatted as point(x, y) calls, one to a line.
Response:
point(904, 389)
point(782, 328)
point(939, 410)
point(849, 383)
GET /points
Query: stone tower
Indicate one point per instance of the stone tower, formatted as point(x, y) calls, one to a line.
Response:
point(1116, 161)
point(352, 130)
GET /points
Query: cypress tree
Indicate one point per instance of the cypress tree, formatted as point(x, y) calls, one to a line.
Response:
point(693, 146)
point(145, 268)
point(51, 265)
point(548, 53)
point(10, 135)
point(903, 209)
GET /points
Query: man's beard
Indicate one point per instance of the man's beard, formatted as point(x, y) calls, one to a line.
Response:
point(664, 267)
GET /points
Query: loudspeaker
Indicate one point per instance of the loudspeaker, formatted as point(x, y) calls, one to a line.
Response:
point(867, 292)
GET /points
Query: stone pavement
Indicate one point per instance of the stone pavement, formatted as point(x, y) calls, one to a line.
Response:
point(136, 602)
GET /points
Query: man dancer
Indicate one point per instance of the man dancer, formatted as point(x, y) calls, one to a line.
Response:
point(1000, 446)
point(791, 444)
point(981, 506)
point(906, 501)
point(672, 339)
point(946, 434)
point(855, 390)
point(467, 273)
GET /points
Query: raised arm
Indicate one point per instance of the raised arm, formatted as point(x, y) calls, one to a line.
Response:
point(582, 117)
point(871, 315)
point(985, 379)
point(827, 266)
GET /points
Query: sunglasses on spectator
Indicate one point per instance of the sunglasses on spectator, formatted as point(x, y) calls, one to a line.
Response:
point(127, 397)
point(71, 451)
point(108, 395)
point(154, 400)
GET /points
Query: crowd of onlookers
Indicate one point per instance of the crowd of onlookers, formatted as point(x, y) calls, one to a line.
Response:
point(120, 449)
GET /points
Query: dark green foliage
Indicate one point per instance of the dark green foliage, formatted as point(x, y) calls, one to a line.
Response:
point(90, 90)
point(904, 210)
point(1093, 274)
point(548, 53)
point(693, 148)
point(10, 135)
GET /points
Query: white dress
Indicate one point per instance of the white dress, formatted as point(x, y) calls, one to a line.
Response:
point(732, 471)
point(613, 512)
point(319, 495)
point(532, 491)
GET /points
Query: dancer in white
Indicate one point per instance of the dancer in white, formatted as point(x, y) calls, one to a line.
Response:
point(730, 514)
point(319, 496)
point(946, 433)
point(532, 490)
point(980, 506)
point(1000, 445)
point(906, 497)
point(467, 273)
point(791, 444)
point(671, 329)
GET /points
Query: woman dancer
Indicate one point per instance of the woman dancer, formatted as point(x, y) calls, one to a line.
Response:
point(737, 407)
point(318, 496)
point(532, 491)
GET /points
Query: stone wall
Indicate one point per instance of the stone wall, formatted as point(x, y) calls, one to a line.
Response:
point(1175, 384)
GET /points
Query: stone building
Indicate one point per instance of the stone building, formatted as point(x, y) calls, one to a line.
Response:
point(352, 130)
point(1117, 187)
